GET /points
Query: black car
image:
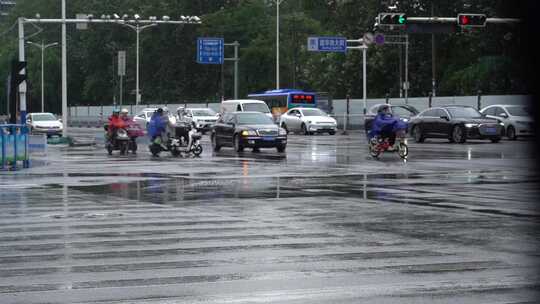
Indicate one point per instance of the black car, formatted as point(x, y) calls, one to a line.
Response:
point(457, 123)
point(248, 130)
point(405, 112)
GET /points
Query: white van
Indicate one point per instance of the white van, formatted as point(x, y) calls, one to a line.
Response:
point(245, 105)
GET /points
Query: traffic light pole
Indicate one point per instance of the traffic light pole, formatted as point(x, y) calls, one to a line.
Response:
point(22, 86)
point(364, 48)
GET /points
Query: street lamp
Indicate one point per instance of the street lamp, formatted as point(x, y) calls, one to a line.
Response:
point(138, 29)
point(278, 2)
point(42, 46)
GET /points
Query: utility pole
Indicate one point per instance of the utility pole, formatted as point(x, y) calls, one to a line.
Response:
point(433, 61)
point(42, 47)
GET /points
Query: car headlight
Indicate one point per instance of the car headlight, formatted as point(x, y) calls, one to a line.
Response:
point(249, 133)
point(501, 124)
point(309, 121)
point(470, 125)
point(282, 131)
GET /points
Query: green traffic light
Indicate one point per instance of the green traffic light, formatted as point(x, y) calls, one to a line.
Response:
point(401, 20)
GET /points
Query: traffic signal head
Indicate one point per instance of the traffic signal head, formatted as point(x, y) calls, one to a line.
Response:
point(471, 20)
point(392, 19)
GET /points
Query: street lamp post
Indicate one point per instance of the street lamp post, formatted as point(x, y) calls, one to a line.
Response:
point(138, 29)
point(278, 2)
point(42, 46)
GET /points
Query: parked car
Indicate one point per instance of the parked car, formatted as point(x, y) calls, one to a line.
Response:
point(457, 123)
point(143, 117)
point(308, 121)
point(404, 112)
point(44, 123)
point(247, 130)
point(202, 119)
point(517, 119)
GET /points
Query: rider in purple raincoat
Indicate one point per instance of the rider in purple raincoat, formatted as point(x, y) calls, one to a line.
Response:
point(386, 125)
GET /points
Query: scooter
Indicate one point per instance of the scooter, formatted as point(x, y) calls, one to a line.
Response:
point(186, 140)
point(124, 139)
point(119, 141)
point(378, 145)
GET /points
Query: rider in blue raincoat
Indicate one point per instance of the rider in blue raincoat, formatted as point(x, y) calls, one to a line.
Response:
point(386, 125)
point(157, 124)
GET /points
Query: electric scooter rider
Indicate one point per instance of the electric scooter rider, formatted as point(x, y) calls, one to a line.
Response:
point(386, 126)
point(157, 125)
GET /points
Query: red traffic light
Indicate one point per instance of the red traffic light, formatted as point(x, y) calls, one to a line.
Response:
point(471, 20)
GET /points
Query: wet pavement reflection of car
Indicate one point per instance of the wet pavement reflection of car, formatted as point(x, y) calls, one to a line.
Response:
point(248, 130)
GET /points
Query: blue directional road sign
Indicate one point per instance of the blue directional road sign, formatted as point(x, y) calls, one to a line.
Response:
point(327, 44)
point(210, 50)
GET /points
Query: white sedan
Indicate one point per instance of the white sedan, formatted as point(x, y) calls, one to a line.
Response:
point(517, 119)
point(308, 121)
point(143, 117)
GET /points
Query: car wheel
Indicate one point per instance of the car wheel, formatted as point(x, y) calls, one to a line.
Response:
point(458, 134)
point(495, 139)
point(215, 144)
point(417, 134)
point(332, 132)
point(511, 133)
point(281, 149)
point(237, 146)
point(304, 129)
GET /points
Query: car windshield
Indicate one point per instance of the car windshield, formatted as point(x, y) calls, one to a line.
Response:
point(254, 119)
point(464, 113)
point(43, 117)
point(203, 112)
point(313, 112)
point(256, 107)
point(519, 111)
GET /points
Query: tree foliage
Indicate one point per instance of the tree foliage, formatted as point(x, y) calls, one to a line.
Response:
point(487, 59)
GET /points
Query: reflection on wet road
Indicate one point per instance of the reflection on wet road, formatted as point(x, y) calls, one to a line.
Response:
point(322, 223)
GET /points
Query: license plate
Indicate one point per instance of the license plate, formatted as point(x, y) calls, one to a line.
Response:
point(490, 130)
point(268, 138)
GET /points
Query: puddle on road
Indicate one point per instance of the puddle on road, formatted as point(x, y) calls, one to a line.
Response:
point(384, 188)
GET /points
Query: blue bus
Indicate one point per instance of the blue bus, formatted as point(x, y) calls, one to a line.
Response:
point(280, 101)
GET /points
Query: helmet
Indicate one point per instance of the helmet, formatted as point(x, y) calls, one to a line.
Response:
point(383, 108)
point(159, 110)
point(180, 109)
point(116, 111)
point(124, 111)
point(165, 109)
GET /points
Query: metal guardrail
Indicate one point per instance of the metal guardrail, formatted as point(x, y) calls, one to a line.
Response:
point(14, 146)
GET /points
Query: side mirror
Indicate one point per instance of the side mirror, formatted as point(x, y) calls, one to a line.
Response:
point(60, 120)
point(503, 115)
point(445, 117)
point(298, 115)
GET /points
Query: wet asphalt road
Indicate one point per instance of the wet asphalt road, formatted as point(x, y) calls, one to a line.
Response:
point(321, 223)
